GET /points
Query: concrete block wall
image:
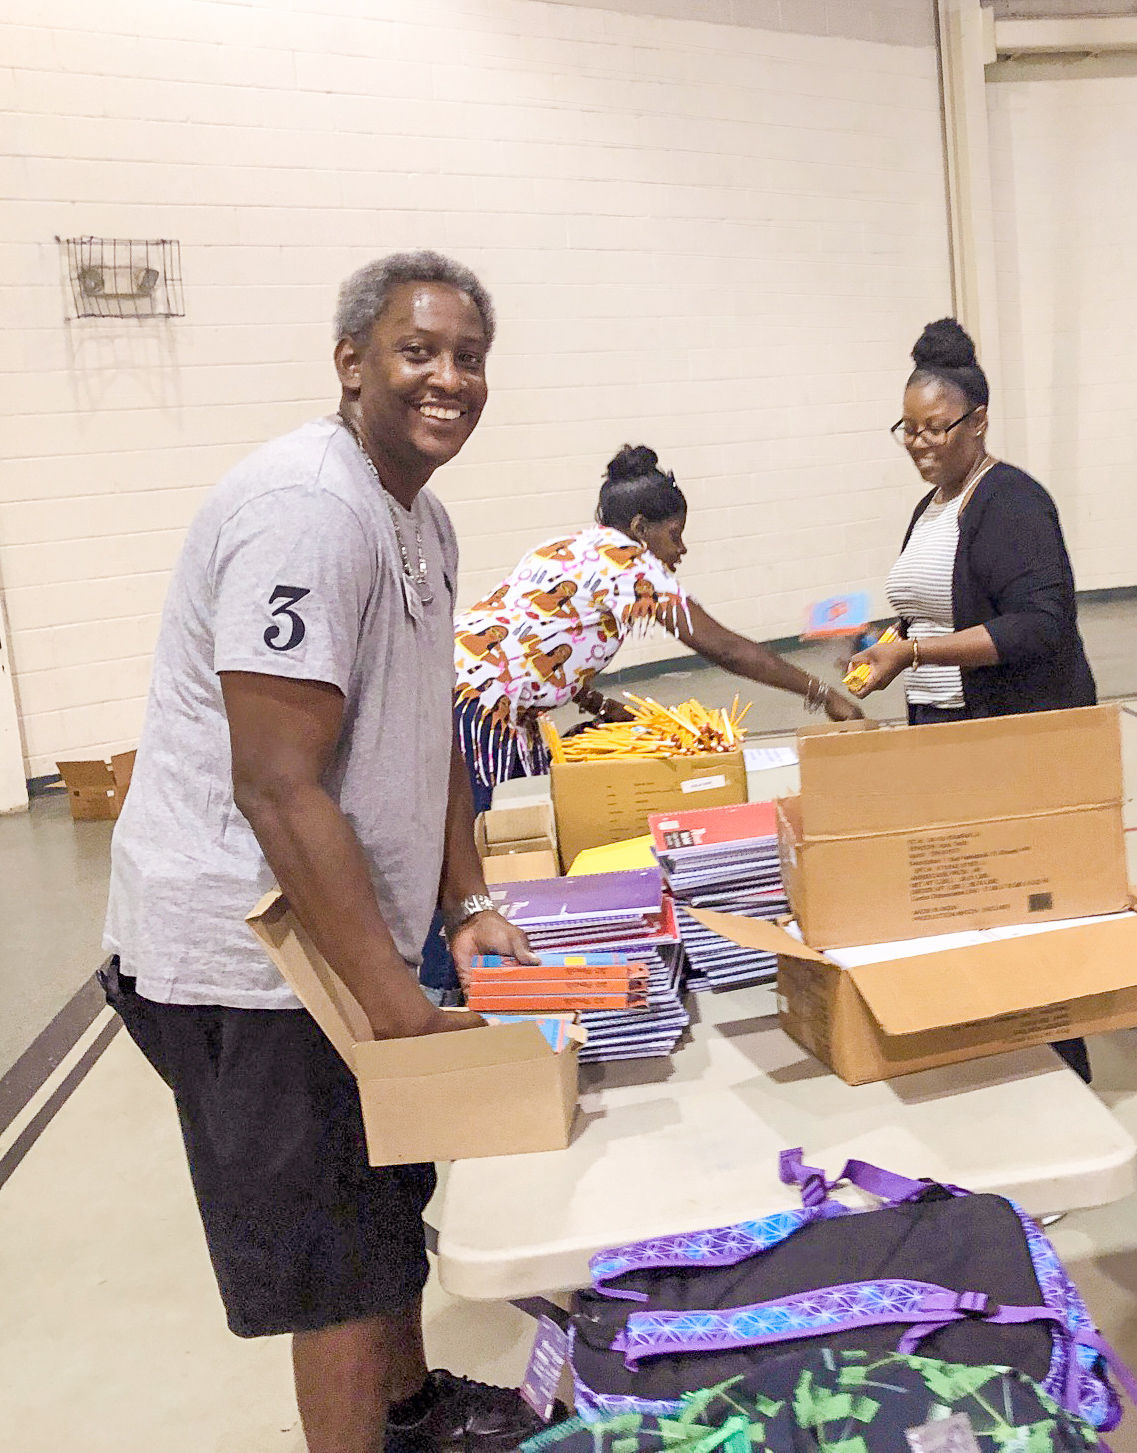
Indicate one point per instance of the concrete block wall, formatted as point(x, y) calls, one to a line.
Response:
point(1061, 141)
point(712, 227)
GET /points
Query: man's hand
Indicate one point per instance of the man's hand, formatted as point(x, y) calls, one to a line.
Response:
point(490, 933)
point(447, 1020)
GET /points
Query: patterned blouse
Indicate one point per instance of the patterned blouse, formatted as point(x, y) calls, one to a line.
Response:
point(545, 633)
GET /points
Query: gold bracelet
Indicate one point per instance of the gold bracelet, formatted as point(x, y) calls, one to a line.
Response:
point(915, 653)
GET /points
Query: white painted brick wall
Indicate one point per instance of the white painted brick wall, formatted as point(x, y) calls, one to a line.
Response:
point(1062, 145)
point(714, 227)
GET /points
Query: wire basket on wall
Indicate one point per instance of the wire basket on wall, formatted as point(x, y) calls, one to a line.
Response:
point(123, 277)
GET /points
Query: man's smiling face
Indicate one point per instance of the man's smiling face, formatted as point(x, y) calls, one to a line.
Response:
point(422, 375)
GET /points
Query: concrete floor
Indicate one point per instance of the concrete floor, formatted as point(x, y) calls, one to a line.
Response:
point(53, 893)
point(112, 1335)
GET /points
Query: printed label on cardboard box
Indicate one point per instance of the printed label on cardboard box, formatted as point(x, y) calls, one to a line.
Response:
point(702, 784)
point(945, 868)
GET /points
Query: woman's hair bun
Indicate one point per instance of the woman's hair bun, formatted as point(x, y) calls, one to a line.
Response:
point(634, 461)
point(944, 344)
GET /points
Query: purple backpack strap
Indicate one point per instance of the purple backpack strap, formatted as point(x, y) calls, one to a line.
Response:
point(923, 1307)
point(811, 1178)
point(720, 1246)
point(1089, 1338)
point(815, 1189)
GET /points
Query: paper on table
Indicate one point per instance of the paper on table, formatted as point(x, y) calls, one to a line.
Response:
point(910, 948)
point(758, 759)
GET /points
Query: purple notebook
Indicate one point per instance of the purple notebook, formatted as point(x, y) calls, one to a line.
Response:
point(633, 893)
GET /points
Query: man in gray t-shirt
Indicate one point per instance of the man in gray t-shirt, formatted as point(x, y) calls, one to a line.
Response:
point(299, 730)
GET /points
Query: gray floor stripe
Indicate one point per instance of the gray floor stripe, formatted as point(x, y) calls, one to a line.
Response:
point(59, 1097)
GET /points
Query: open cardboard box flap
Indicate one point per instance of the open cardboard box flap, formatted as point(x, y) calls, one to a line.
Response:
point(444, 1053)
point(336, 1010)
point(987, 980)
point(1008, 976)
point(858, 783)
point(497, 1090)
point(756, 933)
point(322, 992)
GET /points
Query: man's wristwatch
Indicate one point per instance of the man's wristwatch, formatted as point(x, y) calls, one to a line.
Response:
point(469, 908)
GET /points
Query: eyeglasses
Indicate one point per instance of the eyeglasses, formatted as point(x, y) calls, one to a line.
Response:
point(904, 434)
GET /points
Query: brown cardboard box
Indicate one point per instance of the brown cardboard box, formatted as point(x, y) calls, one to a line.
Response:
point(520, 867)
point(97, 789)
point(518, 823)
point(526, 828)
point(604, 802)
point(961, 1001)
point(500, 1090)
point(908, 833)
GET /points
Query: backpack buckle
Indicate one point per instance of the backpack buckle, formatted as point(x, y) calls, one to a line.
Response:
point(976, 1304)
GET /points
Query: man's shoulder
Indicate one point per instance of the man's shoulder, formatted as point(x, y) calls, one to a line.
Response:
point(309, 462)
point(306, 457)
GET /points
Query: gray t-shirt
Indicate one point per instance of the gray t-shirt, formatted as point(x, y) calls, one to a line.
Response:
point(291, 568)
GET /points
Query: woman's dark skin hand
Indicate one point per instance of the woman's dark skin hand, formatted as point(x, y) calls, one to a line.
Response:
point(840, 708)
point(592, 703)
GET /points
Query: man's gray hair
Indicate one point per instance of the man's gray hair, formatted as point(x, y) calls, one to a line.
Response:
point(365, 293)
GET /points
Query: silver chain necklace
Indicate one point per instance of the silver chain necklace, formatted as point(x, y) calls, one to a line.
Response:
point(418, 578)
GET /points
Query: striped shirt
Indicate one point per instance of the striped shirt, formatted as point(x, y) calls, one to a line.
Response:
point(919, 591)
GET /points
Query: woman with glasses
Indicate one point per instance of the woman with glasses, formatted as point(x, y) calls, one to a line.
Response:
point(983, 587)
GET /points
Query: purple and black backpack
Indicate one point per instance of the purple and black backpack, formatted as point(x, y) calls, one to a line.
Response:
point(936, 1270)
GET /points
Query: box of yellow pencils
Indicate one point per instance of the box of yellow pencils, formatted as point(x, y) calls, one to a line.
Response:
point(603, 802)
point(608, 780)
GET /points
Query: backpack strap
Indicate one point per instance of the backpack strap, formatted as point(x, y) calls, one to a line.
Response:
point(720, 1246)
point(885, 1184)
point(810, 1178)
point(1087, 1337)
point(923, 1307)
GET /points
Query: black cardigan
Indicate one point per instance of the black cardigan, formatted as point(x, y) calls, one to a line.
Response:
point(1012, 574)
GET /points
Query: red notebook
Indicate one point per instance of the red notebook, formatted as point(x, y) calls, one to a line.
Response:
point(703, 827)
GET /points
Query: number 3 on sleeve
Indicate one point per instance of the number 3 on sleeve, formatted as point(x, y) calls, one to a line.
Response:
point(288, 596)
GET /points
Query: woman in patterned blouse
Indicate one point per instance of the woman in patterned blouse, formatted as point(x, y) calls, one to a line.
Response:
point(540, 639)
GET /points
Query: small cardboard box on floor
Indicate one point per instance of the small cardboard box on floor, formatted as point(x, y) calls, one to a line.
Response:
point(892, 1009)
point(900, 834)
point(501, 1090)
point(606, 802)
point(97, 789)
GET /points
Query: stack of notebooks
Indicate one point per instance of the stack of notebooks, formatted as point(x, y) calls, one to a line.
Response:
point(725, 859)
point(626, 919)
point(559, 984)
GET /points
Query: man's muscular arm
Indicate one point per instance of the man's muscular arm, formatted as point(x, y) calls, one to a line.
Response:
point(283, 733)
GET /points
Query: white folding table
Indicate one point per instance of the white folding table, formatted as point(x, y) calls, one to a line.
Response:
point(670, 1145)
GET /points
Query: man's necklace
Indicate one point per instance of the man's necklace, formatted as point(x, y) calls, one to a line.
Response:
point(418, 578)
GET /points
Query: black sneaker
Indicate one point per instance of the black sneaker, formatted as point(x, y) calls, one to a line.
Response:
point(466, 1417)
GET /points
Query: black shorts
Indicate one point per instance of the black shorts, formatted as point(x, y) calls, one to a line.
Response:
point(303, 1233)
